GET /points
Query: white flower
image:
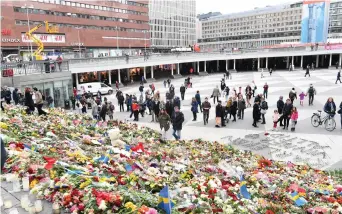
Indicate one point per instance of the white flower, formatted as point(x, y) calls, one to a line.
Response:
point(102, 205)
point(203, 188)
point(46, 192)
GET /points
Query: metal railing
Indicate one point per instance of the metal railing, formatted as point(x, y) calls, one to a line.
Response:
point(34, 67)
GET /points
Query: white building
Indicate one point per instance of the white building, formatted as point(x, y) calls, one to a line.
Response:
point(198, 29)
point(172, 23)
point(262, 26)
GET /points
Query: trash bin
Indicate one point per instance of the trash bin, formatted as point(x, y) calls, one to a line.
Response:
point(66, 104)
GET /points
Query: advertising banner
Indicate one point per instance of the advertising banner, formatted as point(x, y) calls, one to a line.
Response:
point(45, 38)
point(315, 21)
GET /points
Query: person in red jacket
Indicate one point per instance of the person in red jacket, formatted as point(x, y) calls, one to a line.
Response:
point(265, 90)
point(135, 109)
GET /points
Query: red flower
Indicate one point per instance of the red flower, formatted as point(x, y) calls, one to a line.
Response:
point(81, 207)
point(269, 212)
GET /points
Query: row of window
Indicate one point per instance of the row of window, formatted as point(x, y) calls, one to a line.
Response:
point(24, 22)
point(77, 15)
point(96, 7)
point(337, 4)
point(335, 11)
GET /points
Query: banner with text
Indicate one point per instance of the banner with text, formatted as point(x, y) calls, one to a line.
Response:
point(45, 38)
point(315, 21)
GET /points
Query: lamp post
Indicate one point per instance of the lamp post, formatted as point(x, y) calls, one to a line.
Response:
point(28, 23)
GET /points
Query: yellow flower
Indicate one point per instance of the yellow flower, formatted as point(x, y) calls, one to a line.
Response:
point(33, 183)
point(3, 125)
point(84, 184)
point(53, 150)
point(52, 174)
point(130, 205)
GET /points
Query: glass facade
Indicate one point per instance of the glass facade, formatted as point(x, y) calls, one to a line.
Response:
point(172, 23)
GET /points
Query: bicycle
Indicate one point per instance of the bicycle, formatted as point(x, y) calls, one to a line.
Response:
point(328, 120)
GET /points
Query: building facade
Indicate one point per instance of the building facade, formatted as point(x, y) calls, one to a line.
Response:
point(172, 23)
point(262, 26)
point(92, 28)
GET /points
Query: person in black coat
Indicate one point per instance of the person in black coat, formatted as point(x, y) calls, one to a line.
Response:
point(256, 113)
point(177, 123)
point(233, 109)
point(16, 96)
point(169, 108)
point(287, 113)
point(220, 113)
point(155, 110)
point(182, 91)
point(29, 101)
point(121, 100)
point(280, 106)
point(8, 96)
point(103, 111)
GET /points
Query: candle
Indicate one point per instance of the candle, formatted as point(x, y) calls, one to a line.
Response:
point(38, 205)
point(24, 201)
point(9, 177)
point(55, 208)
point(32, 210)
point(13, 211)
point(8, 204)
point(16, 184)
point(26, 184)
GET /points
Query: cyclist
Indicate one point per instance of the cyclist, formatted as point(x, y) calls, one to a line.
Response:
point(330, 107)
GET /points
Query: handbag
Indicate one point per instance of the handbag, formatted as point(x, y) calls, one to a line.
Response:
point(212, 96)
point(218, 121)
point(263, 111)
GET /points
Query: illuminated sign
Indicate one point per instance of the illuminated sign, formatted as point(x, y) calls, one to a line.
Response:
point(6, 32)
point(45, 38)
point(10, 40)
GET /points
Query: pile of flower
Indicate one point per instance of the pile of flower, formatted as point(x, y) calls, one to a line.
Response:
point(90, 167)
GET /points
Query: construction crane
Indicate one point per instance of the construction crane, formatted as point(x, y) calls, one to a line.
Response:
point(52, 29)
point(37, 41)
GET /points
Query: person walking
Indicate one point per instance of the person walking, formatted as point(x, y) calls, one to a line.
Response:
point(198, 99)
point(155, 110)
point(256, 114)
point(263, 109)
point(226, 91)
point(177, 123)
point(8, 96)
point(39, 102)
point(121, 100)
point(280, 107)
point(330, 107)
point(287, 113)
point(340, 112)
point(338, 78)
point(293, 95)
point(194, 108)
point(219, 115)
point(223, 85)
point(103, 111)
point(294, 118)
point(307, 71)
point(29, 101)
point(182, 91)
point(311, 92)
point(135, 110)
point(177, 102)
point(15, 96)
point(168, 83)
point(169, 107)
point(262, 73)
point(206, 109)
point(111, 109)
point(301, 98)
point(164, 83)
point(241, 107)
point(233, 109)
point(216, 94)
point(164, 122)
point(270, 70)
point(265, 90)
point(275, 118)
point(254, 88)
point(94, 109)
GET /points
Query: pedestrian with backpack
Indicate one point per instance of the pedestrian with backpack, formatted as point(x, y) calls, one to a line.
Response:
point(263, 109)
point(307, 71)
point(293, 95)
point(311, 92)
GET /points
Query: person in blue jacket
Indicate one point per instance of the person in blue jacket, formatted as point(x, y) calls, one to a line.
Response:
point(330, 107)
point(198, 99)
point(194, 108)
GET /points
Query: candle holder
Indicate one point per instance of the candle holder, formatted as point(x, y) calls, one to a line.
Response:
point(13, 211)
point(25, 202)
point(38, 205)
point(8, 204)
point(26, 183)
point(56, 209)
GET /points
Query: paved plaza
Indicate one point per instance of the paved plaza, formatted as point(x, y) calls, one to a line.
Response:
point(280, 84)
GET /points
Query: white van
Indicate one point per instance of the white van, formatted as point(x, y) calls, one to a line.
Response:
point(94, 87)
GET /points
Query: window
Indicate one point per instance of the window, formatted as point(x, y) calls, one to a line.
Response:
point(58, 1)
point(100, 7)
point(68, 3)
point(104, 8)
point(96, 7)
point(62, 2)
point(83, 5)
point(92, 6)
point(78, 5)
point(87, 6)
point(52, 1)
point(73, 4)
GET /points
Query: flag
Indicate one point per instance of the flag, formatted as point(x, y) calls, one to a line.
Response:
point(299, 201)
point(50, 162)
point(164, 201)
point(128, 168)
point(103, 158)
point(32, 148)
point(243, 189)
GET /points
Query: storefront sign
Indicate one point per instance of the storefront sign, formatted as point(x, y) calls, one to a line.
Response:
point(10, 40)
point(45, 38)
point(77, 44)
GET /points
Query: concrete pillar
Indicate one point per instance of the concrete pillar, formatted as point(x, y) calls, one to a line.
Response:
point(317, 59)
point(322, 60)
point(258, 63)
point(77, 82)
point(218, 65)
point(234, 65)
point(128, 76)
point(266, 63)
point(198, 67)
point(330, 59)
point(119, 76)
point(110, 77)
point(292, 60)
point(152, 74)
point(144, 72)
point(287, 62)
point(301, 61)
point(340, 60)
point(226, 65)
point(205, 66)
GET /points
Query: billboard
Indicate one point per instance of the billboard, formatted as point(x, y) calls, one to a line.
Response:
point(45, 38)
point(315, 21)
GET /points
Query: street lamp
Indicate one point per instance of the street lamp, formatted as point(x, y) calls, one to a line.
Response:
point(28, 23)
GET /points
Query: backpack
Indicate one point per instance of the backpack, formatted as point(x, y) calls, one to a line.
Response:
point(111, 107)
point(311, 90)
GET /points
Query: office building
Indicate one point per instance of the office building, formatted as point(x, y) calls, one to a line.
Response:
point(206, 16)
point(172, 23)
point(262, 26)
point(94, 28)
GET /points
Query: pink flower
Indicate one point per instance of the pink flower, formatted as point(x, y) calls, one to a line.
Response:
point(152, 211)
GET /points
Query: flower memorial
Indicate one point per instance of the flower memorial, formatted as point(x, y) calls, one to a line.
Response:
point(85, 166)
